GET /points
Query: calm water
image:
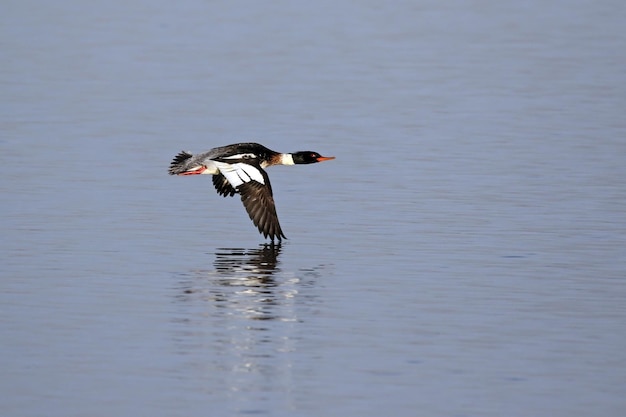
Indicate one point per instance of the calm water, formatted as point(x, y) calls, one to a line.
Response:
point(464, 255)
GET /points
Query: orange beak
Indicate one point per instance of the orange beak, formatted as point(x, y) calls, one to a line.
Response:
point(325, 158)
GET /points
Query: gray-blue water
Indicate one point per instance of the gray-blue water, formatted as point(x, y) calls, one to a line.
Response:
point(464, 255)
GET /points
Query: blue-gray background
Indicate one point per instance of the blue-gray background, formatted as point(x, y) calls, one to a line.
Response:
point(464, 255)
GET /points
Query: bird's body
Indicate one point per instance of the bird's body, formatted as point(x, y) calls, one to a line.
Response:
point(239, 169)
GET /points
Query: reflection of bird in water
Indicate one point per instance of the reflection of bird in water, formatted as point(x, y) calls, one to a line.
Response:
point(249, 283)
point(255, 265)
point(253, 269)
point(242, 314)
point(242, 283)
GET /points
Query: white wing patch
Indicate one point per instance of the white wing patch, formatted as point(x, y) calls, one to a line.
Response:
point(239, 173)
point(241, 156)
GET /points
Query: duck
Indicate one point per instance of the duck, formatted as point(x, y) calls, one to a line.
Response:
point(240, 169)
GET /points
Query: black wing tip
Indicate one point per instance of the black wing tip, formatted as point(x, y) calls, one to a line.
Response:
point(176, 167)
point(279, 236)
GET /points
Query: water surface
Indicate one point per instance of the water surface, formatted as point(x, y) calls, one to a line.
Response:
point(464, 255)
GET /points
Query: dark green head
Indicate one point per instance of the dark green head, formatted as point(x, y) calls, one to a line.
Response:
point(309, 157)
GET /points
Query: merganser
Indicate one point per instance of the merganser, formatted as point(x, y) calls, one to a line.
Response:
point(239, 169)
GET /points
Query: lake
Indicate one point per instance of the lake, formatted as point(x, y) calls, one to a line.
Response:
point(464, 255)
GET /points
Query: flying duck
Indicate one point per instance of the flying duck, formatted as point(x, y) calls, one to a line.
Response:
point(239, 169)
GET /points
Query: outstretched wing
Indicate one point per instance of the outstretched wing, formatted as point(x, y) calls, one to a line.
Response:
point(259, 203)
point(253, 184)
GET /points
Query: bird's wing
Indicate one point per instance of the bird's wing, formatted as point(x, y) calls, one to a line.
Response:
point(252, 182)
point(240, 173)
point(259, 203)
point(222, 186)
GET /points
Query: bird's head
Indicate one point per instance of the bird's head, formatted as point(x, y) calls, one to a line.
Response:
point(309, 157)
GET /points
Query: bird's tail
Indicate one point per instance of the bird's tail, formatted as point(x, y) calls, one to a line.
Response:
point(179, 164)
